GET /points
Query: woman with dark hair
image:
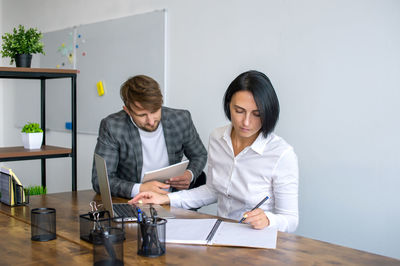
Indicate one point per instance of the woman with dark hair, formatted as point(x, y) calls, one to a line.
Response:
point(246, 162)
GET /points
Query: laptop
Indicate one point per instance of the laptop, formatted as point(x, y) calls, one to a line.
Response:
point(121, 210)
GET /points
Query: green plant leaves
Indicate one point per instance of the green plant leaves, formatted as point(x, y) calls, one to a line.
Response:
point(31, 128)
point(36, 190)
point(22, 41)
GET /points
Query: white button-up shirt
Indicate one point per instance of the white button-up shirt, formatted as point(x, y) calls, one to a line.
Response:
point(266, 168)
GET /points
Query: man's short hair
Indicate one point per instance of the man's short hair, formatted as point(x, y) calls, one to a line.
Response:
point(264, 95)
point(144, 90)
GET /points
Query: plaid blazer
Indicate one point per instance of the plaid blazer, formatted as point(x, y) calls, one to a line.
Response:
point(120, 145)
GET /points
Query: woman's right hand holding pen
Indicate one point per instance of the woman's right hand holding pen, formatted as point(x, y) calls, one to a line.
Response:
point(150, 197)
point(256, 218)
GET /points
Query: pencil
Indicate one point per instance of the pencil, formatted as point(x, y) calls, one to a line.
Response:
point(257, 206)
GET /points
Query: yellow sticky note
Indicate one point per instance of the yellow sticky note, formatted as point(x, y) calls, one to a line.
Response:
point(100, 88)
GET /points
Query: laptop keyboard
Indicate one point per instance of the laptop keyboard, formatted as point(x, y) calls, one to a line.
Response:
point(124, 210)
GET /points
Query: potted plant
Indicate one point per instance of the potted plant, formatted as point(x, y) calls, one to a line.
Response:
point(21, 44)
point(32, 136)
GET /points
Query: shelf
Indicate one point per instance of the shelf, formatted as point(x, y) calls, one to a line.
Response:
point(36, 73)
point(46, 152)
point(19, 153)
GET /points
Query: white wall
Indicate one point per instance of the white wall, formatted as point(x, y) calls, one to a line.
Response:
point(334, 65)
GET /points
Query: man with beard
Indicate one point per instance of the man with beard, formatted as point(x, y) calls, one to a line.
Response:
point(146, 136)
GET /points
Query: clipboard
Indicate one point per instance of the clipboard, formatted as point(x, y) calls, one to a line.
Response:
point(163, 174)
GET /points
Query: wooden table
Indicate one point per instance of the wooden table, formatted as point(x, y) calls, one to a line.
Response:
point(17, 248)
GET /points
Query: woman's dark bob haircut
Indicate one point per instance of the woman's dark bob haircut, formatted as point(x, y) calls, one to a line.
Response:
point(264, 95)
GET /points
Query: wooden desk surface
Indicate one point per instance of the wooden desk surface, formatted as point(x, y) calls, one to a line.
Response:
point(17, 248)
point(291, 249)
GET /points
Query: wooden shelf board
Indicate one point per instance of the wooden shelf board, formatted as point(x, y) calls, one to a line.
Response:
point(15, 152)
point(39, 70)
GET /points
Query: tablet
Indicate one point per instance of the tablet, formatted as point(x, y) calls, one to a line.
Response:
point(163, 174)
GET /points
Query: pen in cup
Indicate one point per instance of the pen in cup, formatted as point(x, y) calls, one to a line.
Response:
point(154, 214)
point(139, 214)
point(257, 206)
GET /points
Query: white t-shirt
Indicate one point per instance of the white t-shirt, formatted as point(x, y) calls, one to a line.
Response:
point(155, 154)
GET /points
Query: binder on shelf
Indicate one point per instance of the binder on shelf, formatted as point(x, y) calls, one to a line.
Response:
point(12, 191)
point(220, 233)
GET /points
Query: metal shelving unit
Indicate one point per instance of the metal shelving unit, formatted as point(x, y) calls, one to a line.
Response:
point(46, 151)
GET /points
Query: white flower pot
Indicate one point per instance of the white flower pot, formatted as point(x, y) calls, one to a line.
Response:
point(32, 140)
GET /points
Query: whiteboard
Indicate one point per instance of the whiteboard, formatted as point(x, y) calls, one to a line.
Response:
point(109, 51)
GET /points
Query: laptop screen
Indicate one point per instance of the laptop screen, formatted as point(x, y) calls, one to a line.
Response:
point(102, 177)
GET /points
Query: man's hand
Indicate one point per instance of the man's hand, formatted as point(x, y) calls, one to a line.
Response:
point(150, 197)
point(154, 186)
point(257, 219)
point(181, 182)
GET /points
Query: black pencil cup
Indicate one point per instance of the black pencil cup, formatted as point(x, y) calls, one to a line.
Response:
point(108, 246)
point(151, 238)
point(43, 224)
point(87, 224)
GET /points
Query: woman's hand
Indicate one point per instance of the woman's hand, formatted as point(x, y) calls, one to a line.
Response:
point(257, 219)
point(150, 197)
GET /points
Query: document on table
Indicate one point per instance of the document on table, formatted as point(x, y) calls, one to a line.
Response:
point(166, 173)
point(218, 232)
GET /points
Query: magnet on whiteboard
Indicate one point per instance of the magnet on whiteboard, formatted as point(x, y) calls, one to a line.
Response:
point(100, 88)
point(68, 125)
